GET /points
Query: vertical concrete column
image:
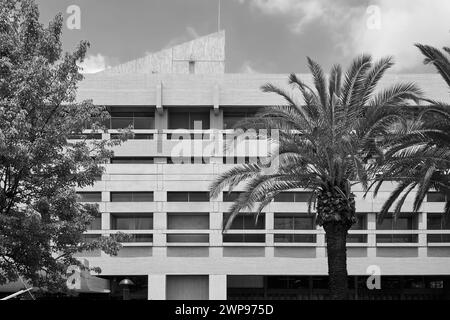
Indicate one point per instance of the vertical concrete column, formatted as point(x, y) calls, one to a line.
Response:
point(215, 238)
point(106, 221)
point(105, 199)
point(159, 237)
point(161, 123)
point(216, 119)
point(371, 237)
point(269, 216)
point(422, 237)
point(156, 287)
point(217, 287)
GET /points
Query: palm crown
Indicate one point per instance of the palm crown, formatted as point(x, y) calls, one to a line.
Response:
point(326, 135)
point(417, 154)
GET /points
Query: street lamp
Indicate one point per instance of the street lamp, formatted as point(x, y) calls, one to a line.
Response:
point(126, 284)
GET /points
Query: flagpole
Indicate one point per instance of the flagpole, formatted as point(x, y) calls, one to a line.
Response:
point(218, 19)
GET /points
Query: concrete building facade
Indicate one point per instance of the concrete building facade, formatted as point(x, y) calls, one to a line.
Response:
point(178, 250)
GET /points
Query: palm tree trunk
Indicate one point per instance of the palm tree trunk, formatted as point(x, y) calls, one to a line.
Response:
point(336, 234)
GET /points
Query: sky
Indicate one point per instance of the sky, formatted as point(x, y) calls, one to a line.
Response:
point(262, 36)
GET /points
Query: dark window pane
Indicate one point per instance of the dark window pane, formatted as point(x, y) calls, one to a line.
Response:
point(396, 238)
point(131, 196)
point(144, 123)
point(302, 196)
point(385, 224)
point(438, 238)
point(199, 120)
point(298, 238)
point(194, 238)
point(231, 196)
point(140, 238)
point(121, 123)
point(136, 136)
point(238, 222)
point(283, 238)
point(254, 238)
point(294, 221)
point(246, 221)
point(121, 197)
point(178, 120)
point(250, 222)
point(143, 136)
point(436, 221)
point(96, 224)
point(173, 196)
point(361, 224)
point(127, 221)
point(435, 197)
point(185, 221)
point(357, 238)
point(285, 197)
point(198, 197)
point(142, 196)
point(87, 136)
point(257, 238)
point(137, 160)
point(90, 196)
point(282, 221)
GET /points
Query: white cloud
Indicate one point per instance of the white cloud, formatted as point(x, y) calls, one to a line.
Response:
point(403, 23)
point(94, 63)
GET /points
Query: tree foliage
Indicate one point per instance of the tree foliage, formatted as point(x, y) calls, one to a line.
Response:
point(41, 222)
point(417, 152)
point(327, 133)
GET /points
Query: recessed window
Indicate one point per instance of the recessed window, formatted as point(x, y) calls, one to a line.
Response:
point(299, 196)
point(187, 221)
point(139, 238)
point(187, 238)
point(136, 136)
point(232, 117)
point(135, 160)
point(85, 136)
point(436, 221)
point(405, 222)
point(188, 160)
point(246, 221)
point(436, 197)
point(243, 237)
point(90, 196)
point(194, 196)
point(135, 120)
point(132, 221)
point(131, 196)
point(96, 224)
point(231, 196)
point(294, 221)
point(189, 120)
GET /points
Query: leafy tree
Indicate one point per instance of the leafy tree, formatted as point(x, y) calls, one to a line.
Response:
point(417, 153)
point(326, 137)
point(41, 222)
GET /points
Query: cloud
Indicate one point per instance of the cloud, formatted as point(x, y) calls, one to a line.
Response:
point(353, 26)
point(94, 63)
point(403, 23)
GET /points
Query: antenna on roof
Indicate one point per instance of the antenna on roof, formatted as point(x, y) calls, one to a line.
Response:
point(218, 18)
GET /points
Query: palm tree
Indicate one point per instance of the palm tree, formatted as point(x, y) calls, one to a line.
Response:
point(417, 153)
point(324, 144)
